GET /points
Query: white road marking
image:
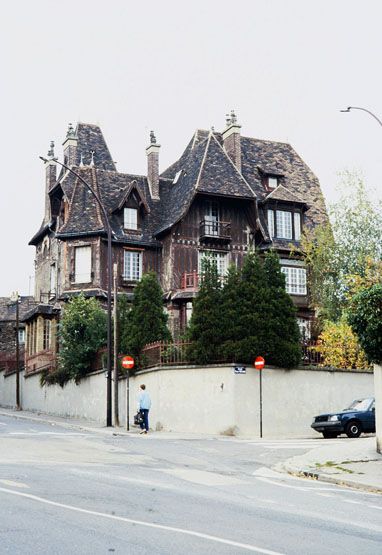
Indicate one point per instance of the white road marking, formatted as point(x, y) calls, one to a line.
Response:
point(217, 539)
point(352, 501)
point(48, 434)
point(374, 507)
point(202, 477)
point(14, 484)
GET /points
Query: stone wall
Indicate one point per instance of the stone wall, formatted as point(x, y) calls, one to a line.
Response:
point(211, 400)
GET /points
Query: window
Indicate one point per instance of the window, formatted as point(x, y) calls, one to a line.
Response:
point(132, 265)
point(52, 280)
point(219, 257)
point(297, 225)
point(46, 335)
point(21, 336)
point(304, 327)
point(272, 182)
point(284, 224)
point(176, 178)
point(130, 218)
point(271, 223)
point(211, 218)
point(82, 264)
point(295, 280)
point(188, 312)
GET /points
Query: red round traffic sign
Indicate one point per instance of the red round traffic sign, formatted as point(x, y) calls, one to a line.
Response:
point(128, 362)
point(259, 363)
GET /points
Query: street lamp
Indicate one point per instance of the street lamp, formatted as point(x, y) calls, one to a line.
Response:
point(109, 282)
point(15, 299)
point(363, 110)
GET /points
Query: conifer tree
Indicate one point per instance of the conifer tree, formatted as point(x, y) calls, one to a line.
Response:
point(230, 313)
point(282, 338)
point(146, 322)
point(252, 319)
point(205, 325)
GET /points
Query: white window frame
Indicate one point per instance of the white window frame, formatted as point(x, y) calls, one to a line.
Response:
point(284, 224)
point(297, 225)
point(221, 259)
point(295, 280)
point(83, 264)
point(132, 265)
point(272, 182)
point(130, 218)
point(53, 279)
point(271, 223)
point(21, 333)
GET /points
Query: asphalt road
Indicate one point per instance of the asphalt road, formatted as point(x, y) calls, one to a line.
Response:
point(65, 492)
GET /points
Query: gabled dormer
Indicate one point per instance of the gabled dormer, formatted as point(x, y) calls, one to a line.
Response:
point(132, 209)
point(284, 213)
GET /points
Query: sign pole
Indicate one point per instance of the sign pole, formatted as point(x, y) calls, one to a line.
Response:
point(127, 400)
point(261, 402)
point(259, 365)
point(128, 363)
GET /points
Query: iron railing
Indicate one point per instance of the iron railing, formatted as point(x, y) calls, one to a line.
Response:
point(215, 230)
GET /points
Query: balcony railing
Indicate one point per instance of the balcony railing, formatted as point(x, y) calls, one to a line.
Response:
point(215, 230)
point(190, 281)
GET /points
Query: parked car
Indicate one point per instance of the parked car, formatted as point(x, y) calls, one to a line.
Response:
point(359, 417)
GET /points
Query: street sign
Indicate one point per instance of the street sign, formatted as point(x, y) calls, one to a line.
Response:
point(128, 362)
point(259, 363)
point(240, 370)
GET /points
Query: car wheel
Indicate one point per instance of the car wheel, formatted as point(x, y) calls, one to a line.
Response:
point(353, 429)
point(329, 435)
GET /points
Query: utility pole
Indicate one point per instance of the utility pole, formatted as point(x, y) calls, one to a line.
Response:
point(16, 299)
point(115, 362)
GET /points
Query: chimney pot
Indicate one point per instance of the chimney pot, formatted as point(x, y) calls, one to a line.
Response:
point(152, 152)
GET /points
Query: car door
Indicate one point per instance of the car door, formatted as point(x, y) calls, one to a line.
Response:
point(368, 420)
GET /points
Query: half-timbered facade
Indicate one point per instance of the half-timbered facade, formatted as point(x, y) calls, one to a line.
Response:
point(225, 194)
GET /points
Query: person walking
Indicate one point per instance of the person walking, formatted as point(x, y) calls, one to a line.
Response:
point(144, 405)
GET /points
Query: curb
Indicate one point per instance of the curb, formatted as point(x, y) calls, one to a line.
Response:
point(69, 425)
point(330, 480)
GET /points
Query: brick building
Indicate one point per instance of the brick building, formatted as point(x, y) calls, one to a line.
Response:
point(225, 194)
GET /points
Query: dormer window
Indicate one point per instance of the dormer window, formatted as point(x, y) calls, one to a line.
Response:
point(130, 218)
point(272, 182)
point(284, 224)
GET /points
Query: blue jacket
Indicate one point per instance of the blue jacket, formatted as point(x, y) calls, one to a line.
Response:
point(144, 401)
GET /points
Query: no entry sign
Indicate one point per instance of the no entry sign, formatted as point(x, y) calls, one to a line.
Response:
point(128, 362)
point(259, 363)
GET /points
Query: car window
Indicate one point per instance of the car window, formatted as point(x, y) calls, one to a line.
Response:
point(361, 404)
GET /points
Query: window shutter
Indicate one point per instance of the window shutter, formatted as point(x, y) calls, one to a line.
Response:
point(83, 264)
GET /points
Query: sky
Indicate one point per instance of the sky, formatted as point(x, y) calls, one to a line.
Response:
point(286, 66)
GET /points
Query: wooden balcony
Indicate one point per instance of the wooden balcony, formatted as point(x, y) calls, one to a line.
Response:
point(190, 281)
point(215, 231)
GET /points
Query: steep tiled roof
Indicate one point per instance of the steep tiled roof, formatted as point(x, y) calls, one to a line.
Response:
point(8, 311)
point(283, 194)
point(204, 168)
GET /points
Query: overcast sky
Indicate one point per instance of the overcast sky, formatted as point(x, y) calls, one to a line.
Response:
point(285, 66)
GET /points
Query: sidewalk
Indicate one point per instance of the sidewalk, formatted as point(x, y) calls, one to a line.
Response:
point(355, 463)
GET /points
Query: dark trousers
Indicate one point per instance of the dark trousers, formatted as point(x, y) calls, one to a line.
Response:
point(145, 424)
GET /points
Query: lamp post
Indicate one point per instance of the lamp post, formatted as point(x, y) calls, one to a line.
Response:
point(109, 282)
point(15, 299)
point(363, 110)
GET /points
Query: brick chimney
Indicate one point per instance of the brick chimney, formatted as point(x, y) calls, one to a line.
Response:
point(152, 152)
point(70, 147)
point(231, 139)
point(50, 180)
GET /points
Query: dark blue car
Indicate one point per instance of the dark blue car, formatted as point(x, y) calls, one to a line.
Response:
point(357, 419)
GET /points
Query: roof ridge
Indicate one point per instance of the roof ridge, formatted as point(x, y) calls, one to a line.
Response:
point(98, 192)
point(231, 162)
point(203, 160)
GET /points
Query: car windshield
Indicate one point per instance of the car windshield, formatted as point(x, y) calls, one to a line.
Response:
point(360, 404)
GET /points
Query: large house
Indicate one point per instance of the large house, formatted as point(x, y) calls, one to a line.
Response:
point(225, 194)
point(10, 328)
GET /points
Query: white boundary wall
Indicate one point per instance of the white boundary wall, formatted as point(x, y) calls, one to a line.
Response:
point(211, 400)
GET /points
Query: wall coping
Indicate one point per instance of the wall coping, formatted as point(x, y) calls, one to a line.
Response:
point(272, 368)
